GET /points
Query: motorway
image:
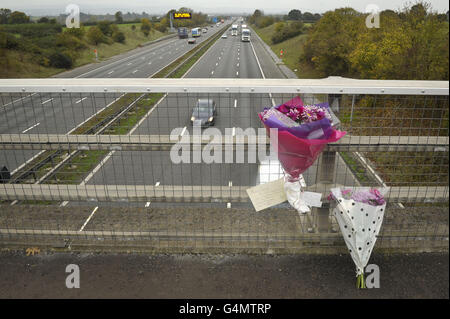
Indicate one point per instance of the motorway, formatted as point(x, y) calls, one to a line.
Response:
point(61, 113)
point(227, 58)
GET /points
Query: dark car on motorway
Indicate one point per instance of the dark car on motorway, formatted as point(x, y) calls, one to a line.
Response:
point(205, 111)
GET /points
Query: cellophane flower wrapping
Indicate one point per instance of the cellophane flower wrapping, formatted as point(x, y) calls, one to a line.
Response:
point(298, 145)
point(359, 212)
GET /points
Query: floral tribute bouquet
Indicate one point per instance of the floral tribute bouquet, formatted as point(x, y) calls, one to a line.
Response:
point(303, 133)
point(359, 212)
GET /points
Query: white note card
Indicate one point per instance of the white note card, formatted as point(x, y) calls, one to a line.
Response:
point(267, 195)
point(312, 199)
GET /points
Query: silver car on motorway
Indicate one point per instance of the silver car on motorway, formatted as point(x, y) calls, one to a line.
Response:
point(205, 111)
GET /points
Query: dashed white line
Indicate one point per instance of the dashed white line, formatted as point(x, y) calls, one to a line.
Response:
point(79, 101)
point(183, 131)
point(157, 184)
point(230, 184)
point(89, 218)
point(235, 103)
point(233, 132)
point(109, 73)
point(135, 71)
point(47, 101)
point(30, 128)
point(228, 205)
point(237, 73)
point(147, 204)
point(237, 65)
point(212, 72)
point(64, 203)
point(149, 63)
point(217, 63)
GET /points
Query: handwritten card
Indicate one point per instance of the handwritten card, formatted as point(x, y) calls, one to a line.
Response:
point(267, 195)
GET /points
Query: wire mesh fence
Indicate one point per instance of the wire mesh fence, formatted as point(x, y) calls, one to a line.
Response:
point(166, 163)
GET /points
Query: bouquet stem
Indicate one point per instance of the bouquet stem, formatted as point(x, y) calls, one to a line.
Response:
point(360, 281)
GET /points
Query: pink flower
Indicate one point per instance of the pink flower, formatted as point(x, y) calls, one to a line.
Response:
point(283, 109)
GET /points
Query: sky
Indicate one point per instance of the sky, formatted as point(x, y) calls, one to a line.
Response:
point(55, 7)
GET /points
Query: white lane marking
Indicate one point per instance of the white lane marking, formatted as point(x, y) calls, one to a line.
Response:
point(111, 72)
point(238, 58)
point(121, 60)
point(228, 205)
point(237, 65)
point(135, 71)
point(183, 131)
point(219, 58)
point(230, 184)
point(237, 73)
point(30, 128)
point(147, 204)
point(233, 132)
point(235, 103)
point(149, 63)
point(14, 203)
point(130, 63)
point(64, 203)
point(157, 184)
point(99, 166)
point(217, 63)
point(89, 218)
point(47, 101)
point(79, 101)
point(212, 72)
point(22, 98)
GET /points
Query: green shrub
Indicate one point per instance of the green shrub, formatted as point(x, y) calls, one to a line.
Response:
point(289, 30)
point(95, 36)
point(119, 37)
point(105, 27)
point(69, 42)
point(60, 60)
point(75, 32)
point(32, 30)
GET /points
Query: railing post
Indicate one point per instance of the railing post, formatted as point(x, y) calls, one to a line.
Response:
point(325, 179)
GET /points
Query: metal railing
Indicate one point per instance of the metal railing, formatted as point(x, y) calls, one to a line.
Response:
point(116, 145)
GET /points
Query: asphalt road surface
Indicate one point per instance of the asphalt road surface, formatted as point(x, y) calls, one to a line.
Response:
point(43, 113)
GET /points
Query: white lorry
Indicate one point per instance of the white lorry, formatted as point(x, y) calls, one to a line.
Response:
point(234, 29)
point(245, 35)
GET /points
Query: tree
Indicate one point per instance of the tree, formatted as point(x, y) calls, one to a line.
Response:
point(4, 15)
point(308, 16)
point(18, 17)
point(119, 17)
point(295, 15)
point(119, 36)
point(105, 27)
point(43, 20)
point(95, 35)
point(145, 26)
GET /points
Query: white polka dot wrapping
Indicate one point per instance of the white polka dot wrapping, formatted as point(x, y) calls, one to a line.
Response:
point(360, 225)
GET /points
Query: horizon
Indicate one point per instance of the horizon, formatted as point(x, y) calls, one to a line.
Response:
point(105, 7)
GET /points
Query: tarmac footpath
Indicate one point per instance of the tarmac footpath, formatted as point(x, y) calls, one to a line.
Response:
point(424, 275)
